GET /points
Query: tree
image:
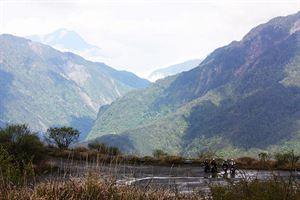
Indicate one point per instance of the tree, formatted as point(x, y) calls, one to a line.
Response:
point(158, 153)
point(62, 137)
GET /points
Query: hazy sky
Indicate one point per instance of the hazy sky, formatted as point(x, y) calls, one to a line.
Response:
point(144, 35)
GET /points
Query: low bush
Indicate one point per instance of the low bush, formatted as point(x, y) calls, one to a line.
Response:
point(173, 159)
point(103, 148)
point(22, 144)
point(286, 160)
point(20, 152)
point(158, 153)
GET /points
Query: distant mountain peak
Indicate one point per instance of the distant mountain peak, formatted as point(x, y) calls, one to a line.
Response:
point(68, 40)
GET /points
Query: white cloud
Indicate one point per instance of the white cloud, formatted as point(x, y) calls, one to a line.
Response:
point(144, 35)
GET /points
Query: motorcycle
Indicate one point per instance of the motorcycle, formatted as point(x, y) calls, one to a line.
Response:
point(206, 168)
point(232, 170)
point(225, 168)
point(214, 169)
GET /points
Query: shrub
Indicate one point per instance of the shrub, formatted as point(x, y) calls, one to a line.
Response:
point(114, 151)
point(20, 149)
point(102, 148)
point(149, 159)
point(21, 144)
point(9, 171)
point(264, 157)
point(173, 159)
point(158, 153)
point(286, 159)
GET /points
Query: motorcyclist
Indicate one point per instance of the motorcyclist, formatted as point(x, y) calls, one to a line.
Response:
point(225, 166)
point(206, 166)
point(214, 168)
point(232, 166)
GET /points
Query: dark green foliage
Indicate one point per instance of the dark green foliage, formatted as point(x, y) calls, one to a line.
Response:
point(62, 137)
point(21, 144)
point(20, 149)
point(158, 153)
point(264, 157)
point(114, 151)
point(103, 148)
point(286, 159)
point(10, 171)
point(100, 147)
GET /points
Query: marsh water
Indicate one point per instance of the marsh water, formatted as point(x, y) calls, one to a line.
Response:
point(185, 179)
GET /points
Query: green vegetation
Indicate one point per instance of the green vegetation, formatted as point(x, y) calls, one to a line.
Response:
point(62, 137)
point(22, 144)
point(44, 87)
point(23, 159)
point(230, 104)
point(103, 148)
point(158, 153)
point(20, 149)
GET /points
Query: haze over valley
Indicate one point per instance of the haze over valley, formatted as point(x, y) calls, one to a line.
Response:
point(149, 100)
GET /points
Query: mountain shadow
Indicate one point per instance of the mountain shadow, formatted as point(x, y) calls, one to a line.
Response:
point(83, 124)
point(5, 82)
point(121, 141)
point(265, 118)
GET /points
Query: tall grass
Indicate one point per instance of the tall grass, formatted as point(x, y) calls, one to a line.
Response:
point(90, 188)
point(272, 189)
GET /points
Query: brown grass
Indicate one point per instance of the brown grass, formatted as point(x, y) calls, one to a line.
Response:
point(89, 188)
point(84, 154)
point(273, 189)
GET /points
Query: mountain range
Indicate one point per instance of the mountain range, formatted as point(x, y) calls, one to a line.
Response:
point(43, 87)
point(241, 99)
point(174, 69)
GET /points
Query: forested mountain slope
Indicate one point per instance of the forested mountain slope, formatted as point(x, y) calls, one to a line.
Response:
point(243, 97)
point(43, 87)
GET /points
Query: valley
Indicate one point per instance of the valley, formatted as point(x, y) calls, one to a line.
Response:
point(217, 118)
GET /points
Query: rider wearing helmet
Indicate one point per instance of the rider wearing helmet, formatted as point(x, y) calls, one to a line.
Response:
point(206, 166)
point(225, 166)
point(214, 168)
point(232, 166)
